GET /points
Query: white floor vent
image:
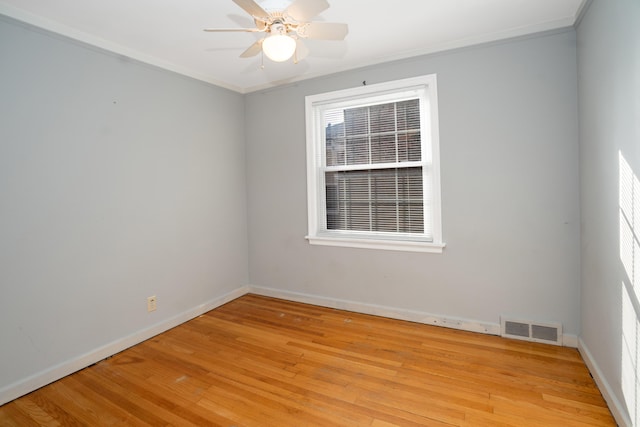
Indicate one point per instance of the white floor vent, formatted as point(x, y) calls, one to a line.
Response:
point(548, 333)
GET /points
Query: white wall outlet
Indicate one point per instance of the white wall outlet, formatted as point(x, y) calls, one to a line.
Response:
point(151, 303)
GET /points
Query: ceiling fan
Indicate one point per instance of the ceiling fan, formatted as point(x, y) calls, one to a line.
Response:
point(285, 29)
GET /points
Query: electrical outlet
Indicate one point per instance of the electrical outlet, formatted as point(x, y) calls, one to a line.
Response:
point(151, 303)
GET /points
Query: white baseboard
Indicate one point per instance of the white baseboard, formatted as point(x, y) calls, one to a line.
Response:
point(54, 373)
point(40, 379)
point(617, 408)
point(569, 340)
point(379, 310)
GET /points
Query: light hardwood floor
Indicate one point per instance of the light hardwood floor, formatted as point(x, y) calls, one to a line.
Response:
point(259, 361)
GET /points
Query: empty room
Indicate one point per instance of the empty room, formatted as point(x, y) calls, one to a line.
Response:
point(319, 213)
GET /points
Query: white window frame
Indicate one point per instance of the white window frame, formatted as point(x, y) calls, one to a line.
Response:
point(318, 234)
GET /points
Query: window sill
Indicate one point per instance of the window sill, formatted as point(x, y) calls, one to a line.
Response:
point(387, 245)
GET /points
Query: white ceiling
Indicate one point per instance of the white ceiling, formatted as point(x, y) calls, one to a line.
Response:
point(168, 33)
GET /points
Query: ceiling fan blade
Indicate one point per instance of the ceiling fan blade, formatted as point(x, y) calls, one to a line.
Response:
point(261, 25)
point(304, 10)
point(253, 9)
point(324, 31)
point(253, 50)
point(302, 51)
point(228, 30)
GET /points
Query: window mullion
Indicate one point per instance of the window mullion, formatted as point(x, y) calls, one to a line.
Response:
point(374, 166)
point(396, 133)
point(369, 192)
point(395, 127)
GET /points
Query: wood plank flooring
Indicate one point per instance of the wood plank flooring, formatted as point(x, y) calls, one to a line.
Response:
point(259, 361)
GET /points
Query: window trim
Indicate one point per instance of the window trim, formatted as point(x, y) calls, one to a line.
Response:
point(392, 91)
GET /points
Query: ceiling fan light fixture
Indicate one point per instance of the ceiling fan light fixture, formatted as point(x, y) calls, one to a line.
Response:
point(279, 47)
point(285, 24)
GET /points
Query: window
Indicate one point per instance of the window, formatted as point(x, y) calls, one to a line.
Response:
point(373, 176)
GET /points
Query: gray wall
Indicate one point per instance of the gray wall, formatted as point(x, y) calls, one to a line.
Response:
point(609, 94)
point(117, 181)
point(510, 207)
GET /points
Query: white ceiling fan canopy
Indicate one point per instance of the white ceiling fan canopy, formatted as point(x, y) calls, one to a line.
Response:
point(271, 5)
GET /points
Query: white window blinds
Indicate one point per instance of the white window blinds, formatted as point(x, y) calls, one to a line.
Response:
point(388, 198)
